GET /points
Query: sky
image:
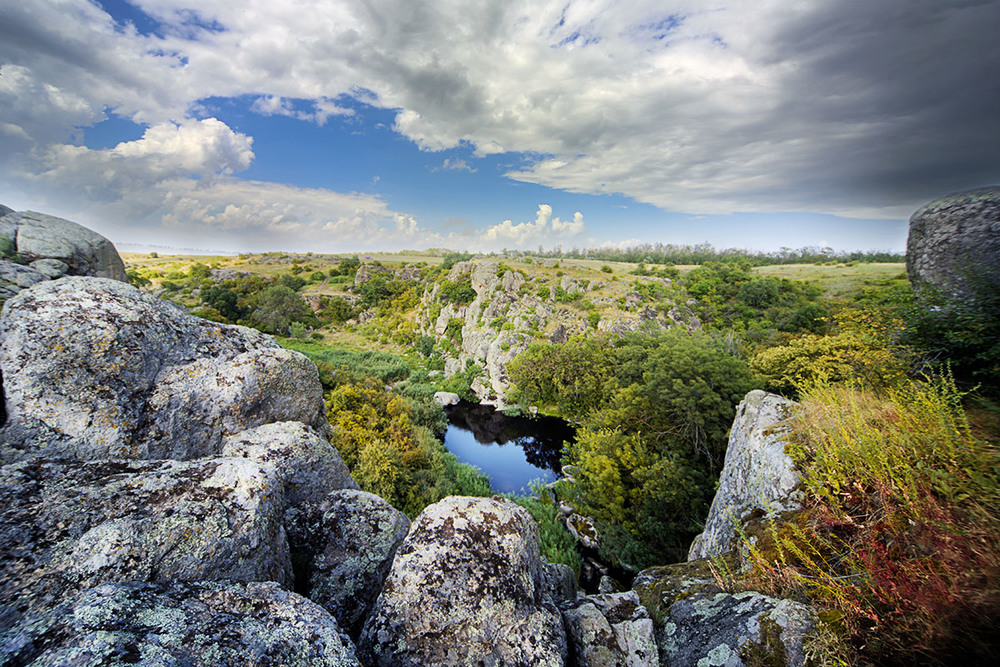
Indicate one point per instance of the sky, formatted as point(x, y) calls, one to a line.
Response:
point(340, 126)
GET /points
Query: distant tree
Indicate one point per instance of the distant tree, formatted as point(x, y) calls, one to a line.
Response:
point(277, 307)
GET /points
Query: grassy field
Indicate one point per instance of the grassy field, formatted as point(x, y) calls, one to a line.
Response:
point(840, 280)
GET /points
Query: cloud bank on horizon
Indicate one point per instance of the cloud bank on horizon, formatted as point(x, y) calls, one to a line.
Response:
point(855, 109)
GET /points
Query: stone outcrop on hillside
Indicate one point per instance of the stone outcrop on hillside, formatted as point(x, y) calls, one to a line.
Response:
point(95, 368)
point(466, 588)
point(51, 247)
point(757, 474)
point(509, 312)
point(307, 465)
point(204, 624)
point(953, 246)
point(68, 525)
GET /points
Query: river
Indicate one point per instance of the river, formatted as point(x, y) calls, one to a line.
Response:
point(511, 451)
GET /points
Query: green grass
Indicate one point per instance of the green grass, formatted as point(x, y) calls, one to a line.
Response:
point(841, 280)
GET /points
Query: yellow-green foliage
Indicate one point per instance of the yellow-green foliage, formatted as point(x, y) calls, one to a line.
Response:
point(863, 350)
point(900, 537)
point(389, 454)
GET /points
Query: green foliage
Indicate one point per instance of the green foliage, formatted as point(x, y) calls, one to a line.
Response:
point(593, 319)
point(8, 250)
point(731, 296)
point(425, 345)
point(656, 411)
point(293, 283)
point(963, 332)
point(606, 269)
point(199, 270)
point(135, 278)
point(453, 330)
point(390, 454)
point(458, 292)
point(225, 301)
point(453, 258)
point(317, 277)
point(864, 350)
point(276, 308)
point(556, 543)
point(340, 364)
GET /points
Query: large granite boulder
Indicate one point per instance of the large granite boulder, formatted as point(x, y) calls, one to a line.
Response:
point(610, 630)
point(67, 525)
point(83, 252)
point(308, 465)
point(953, 248)
point(466, 588)
point(757, 474)
point(735, 630)
point(192, 624)
point(94, 368)
point(342, 548)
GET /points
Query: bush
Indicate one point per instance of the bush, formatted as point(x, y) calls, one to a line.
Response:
point(900, 537)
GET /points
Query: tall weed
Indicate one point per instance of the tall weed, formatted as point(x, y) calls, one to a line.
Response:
point(900, 537)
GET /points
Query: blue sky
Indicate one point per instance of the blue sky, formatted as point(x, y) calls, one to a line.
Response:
point(395, 124)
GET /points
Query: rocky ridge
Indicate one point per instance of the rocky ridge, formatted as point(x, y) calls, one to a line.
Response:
point(510, 311)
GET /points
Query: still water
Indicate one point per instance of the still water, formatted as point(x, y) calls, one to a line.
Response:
point(511, 451)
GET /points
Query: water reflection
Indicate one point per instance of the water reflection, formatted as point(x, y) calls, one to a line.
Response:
point(512, 451)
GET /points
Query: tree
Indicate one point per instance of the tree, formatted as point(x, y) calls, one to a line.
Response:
point(277, 307)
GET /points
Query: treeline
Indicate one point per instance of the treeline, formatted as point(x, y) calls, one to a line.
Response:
point(702, 253)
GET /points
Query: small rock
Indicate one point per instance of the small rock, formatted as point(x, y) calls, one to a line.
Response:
point(444, 398)
point(343, 548)
point(735, 630)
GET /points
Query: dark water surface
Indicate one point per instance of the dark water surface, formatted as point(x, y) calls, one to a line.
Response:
point(511, 451)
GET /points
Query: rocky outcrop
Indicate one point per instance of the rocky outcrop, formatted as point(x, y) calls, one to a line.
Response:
point(344, 547)
point(757, 474)
point(466, 587)
point(953, 247)
point(612, 630)
point(94, 368)
point(54, 247)
point(196, 624)
point(511, 310)
point(307, 465)
point(67, 525)
point(735, 630)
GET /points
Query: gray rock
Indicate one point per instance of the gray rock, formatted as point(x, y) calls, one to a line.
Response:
point(735, 630)
point(94, 368)
point(68, 525)
point(558, 582)
point(954, 244)
point(193, 624)
point(86, 252)
point(50, 268)
point(757, 474)
point(446, 398)
point(308, 466)
point(466, 588)
point(16, 277)
point(343, 548)
point(612, 630)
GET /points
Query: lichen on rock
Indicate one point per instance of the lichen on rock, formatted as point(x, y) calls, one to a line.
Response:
point(466, 588)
